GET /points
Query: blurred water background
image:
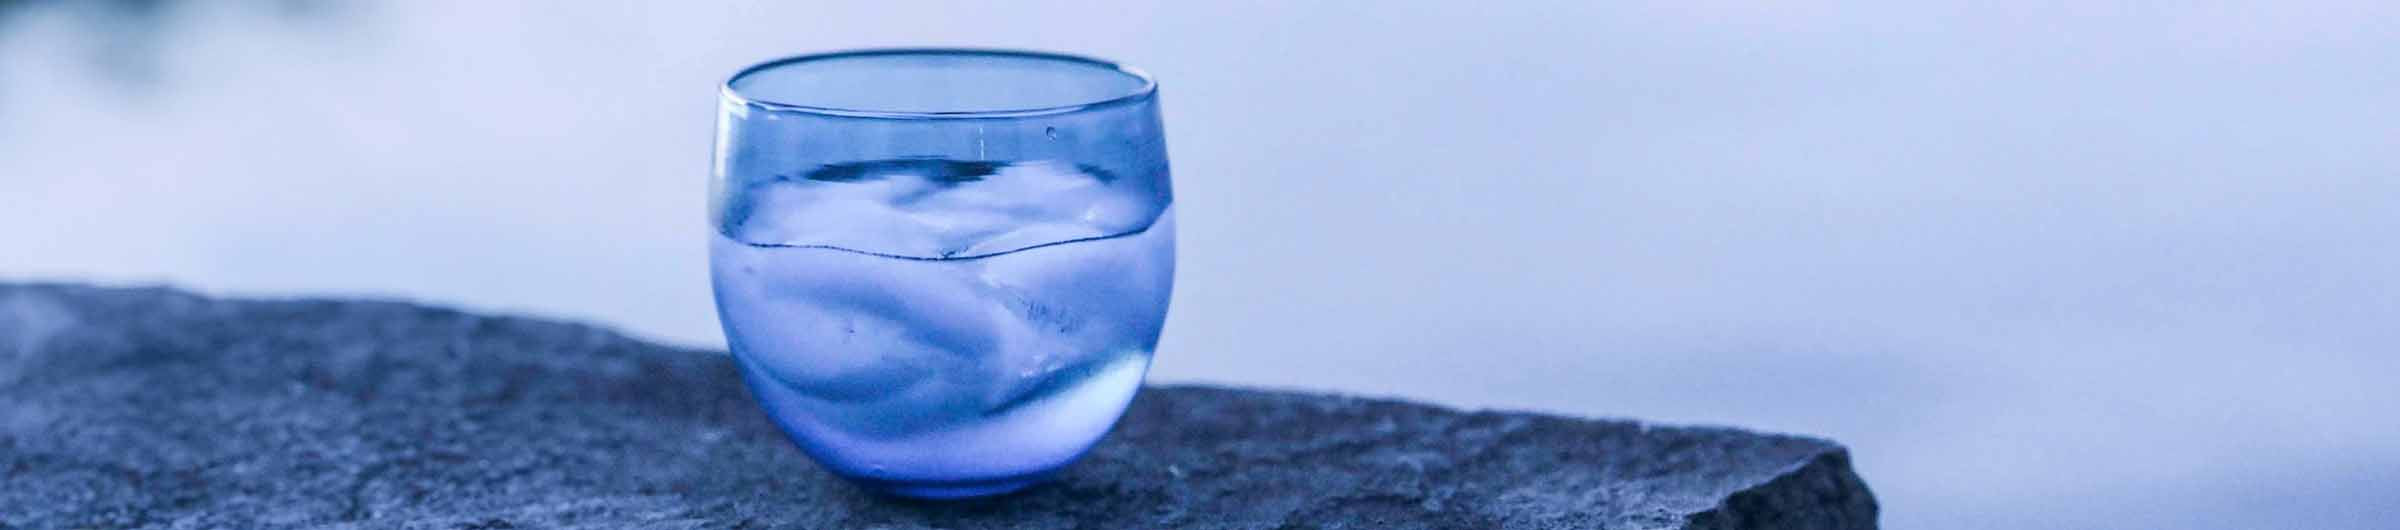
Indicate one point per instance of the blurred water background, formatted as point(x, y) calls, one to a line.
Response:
point(2075, 265)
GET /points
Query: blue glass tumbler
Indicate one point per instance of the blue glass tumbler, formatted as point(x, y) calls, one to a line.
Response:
point(941, 271)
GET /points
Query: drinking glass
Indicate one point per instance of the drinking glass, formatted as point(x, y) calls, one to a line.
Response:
point(942, 271)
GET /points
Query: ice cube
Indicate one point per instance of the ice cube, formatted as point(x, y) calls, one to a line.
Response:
point(936, 209)
point(839, 326)
point(1066, 302)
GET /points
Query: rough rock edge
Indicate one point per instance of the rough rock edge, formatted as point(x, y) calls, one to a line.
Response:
point(1804, 489)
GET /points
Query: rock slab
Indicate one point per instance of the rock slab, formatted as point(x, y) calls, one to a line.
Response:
point(151, 407)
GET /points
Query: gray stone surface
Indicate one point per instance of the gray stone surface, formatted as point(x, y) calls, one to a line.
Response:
point(159, 408)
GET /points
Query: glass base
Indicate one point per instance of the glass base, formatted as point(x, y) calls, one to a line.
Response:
point(951, 490)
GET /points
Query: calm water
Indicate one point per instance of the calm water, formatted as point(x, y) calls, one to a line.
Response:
point(962, 324)
point(1985, 245)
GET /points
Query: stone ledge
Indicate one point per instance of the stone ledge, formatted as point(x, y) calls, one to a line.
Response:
point(155, 407)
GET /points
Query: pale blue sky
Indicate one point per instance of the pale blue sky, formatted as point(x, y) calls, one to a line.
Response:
point(2094, 265)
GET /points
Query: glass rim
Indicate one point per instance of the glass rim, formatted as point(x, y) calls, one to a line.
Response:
point(1144, 92)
